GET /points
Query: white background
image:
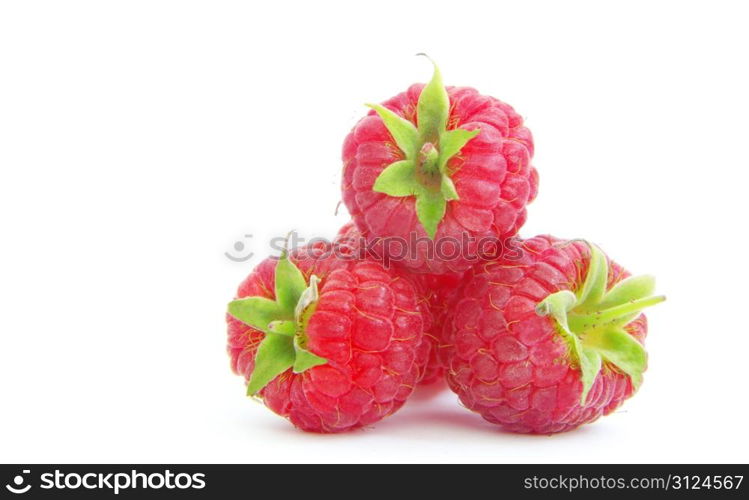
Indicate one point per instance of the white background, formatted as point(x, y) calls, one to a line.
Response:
point(139, 140)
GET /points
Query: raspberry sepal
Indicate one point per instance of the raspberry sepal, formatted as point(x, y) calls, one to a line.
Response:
point(274, 356)
point(283, 322)
point(591, 321)
point(426, 149)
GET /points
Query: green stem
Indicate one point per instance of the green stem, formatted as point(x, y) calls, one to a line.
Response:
point(427, 167)
point(429, 159)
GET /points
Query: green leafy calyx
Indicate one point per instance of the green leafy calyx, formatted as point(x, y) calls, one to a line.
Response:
point(284, 322)
point(592, 321)
point(423, 172)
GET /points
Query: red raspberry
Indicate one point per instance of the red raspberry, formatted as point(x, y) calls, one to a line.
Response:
point(440, 170)
point(326, 341)
point(548, 337)
point(436, 293)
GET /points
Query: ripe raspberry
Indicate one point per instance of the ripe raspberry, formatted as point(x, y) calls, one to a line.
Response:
point(328, 342)
point(548, 337)
point(440, 169)
point(438, 291)
point(434, 292)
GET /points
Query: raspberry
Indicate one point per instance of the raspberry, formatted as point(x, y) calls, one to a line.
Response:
point(438, 292)
point(548, 337)
point(326, 341)
point(441, 170)
point(435, 293)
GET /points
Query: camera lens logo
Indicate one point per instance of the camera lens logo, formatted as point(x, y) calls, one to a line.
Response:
point(17, 486)
point(238, 250)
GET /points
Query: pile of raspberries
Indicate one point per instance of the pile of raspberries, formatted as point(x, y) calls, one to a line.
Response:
point(430, 282)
